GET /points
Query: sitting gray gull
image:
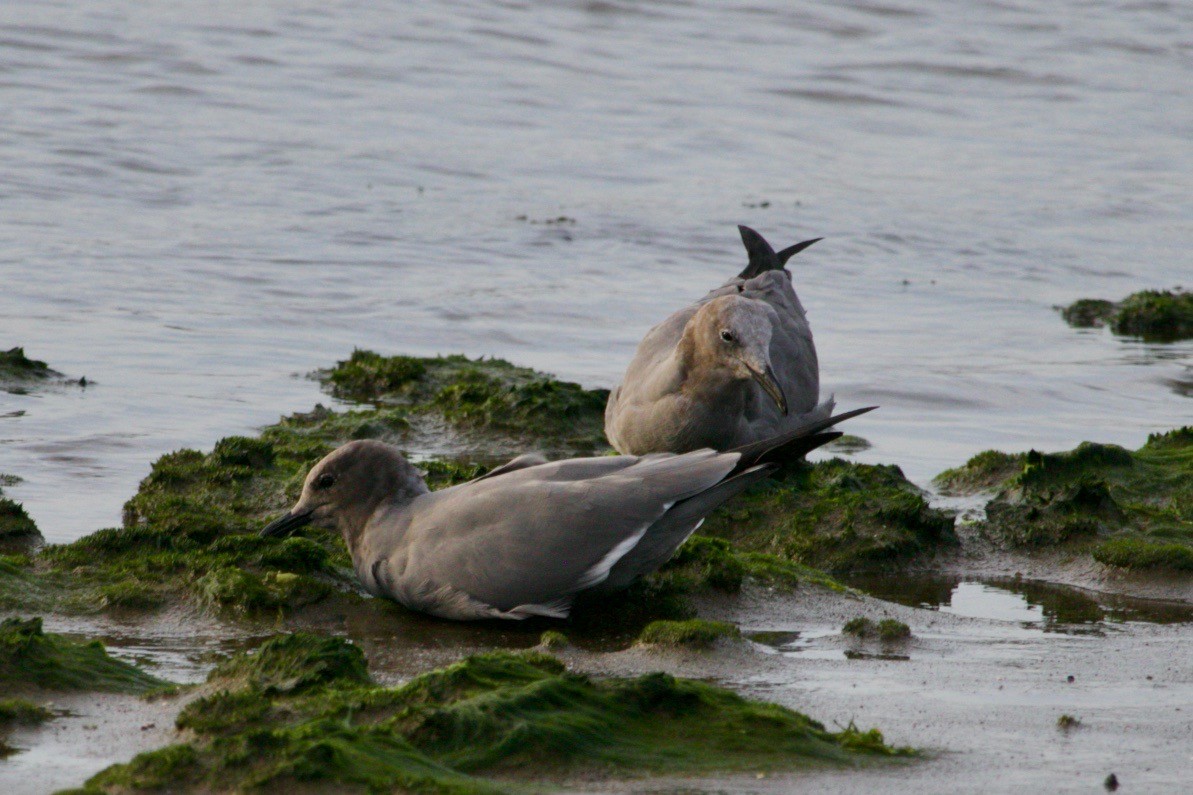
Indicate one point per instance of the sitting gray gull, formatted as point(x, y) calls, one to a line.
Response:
point(527, 538)
point(736, 367)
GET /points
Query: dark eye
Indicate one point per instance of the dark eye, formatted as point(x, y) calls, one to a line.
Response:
point(727, 335)
point(325, 481)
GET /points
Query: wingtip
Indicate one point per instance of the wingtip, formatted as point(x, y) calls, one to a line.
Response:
point(791, 251)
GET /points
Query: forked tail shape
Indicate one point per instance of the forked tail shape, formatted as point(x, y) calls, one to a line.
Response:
point(763, 258)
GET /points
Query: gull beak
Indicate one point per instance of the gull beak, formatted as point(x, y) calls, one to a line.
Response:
point(286, 525)
point(770, 385)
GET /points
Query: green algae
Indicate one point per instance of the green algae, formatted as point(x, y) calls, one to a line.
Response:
point(1153, 315)
point(1142, 553)
point(694, 633)
point(834, 515)
point(553, 640)
point(489, 396)
point(887, 630)
point(19, 712)
point(848, 444)
point(15, 366)
point(31, 657)
point(366, 376)
point(15, 524)
point(890, 629)
point(520, 717)
point(1132, 509)
point(1088, 312)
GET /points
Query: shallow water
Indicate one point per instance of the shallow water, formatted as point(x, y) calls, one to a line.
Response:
point(198, 207)
point(1029, 603)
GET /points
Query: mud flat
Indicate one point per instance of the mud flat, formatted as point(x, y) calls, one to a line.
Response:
point(963, 661)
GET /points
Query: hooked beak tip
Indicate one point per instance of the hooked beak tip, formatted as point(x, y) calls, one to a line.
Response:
point(285, 526)
point(770, 385)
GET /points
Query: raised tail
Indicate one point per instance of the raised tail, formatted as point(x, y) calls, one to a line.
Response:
point(763, 257)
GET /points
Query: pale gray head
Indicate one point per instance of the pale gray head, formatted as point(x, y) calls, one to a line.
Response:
point(344, 489)
point(733, 333)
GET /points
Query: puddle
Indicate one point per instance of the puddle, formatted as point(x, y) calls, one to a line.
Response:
point(1029, 603)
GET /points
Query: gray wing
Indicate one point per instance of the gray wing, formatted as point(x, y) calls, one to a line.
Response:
point(644, 401)
point(527, 541)
point(521, 462)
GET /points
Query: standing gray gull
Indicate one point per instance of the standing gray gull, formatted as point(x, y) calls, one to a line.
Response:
point(737, 366)
point(528, 537)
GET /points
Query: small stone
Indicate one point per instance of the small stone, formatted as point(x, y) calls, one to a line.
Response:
point(1111, 783)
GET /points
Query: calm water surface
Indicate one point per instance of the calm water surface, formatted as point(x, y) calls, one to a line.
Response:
point(201, 202)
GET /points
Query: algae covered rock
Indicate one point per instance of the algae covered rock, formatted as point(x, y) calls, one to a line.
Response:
point(694, 633)
point(836, 515)
point(29, 656)
point(15, 524)
point(485, 396)
point(1154, 315)
point(887, 630)
point(18, 372)
point(16, 367)
point(1132, 509)
point(519, 716)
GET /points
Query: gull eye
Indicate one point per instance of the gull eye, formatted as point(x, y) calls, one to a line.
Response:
point(325, 481)
point(726, 335)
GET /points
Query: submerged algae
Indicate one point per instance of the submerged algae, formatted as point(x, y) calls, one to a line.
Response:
point(1154, 315)
point(519, 716)
point(30, 657)
point(835, 515)
point(1132, 509)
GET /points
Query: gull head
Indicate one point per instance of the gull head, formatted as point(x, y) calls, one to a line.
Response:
point(734, 333)
point(344, 489)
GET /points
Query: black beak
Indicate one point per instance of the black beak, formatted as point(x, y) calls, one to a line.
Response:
point(286, 525)
point(770, 385)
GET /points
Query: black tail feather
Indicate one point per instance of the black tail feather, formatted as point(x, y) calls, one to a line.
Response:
point(763, 257)
point(792, 444)
point(791, 251)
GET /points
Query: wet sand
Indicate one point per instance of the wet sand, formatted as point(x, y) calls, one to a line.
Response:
point(979, 693)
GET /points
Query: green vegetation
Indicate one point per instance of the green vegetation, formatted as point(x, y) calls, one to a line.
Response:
point(15, 524)
point(1067, 722)
point(299, 713)
point(887, 630)
point(1154, 315)
point(488, 396)
point(1088, 312)
point(18, 711)
point(834, 515)
point(1132, 509)
point(28, 656)
point(694, 633)
point(890, 629)
point(553, 640)
point(15, 366)
point(848, 444)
